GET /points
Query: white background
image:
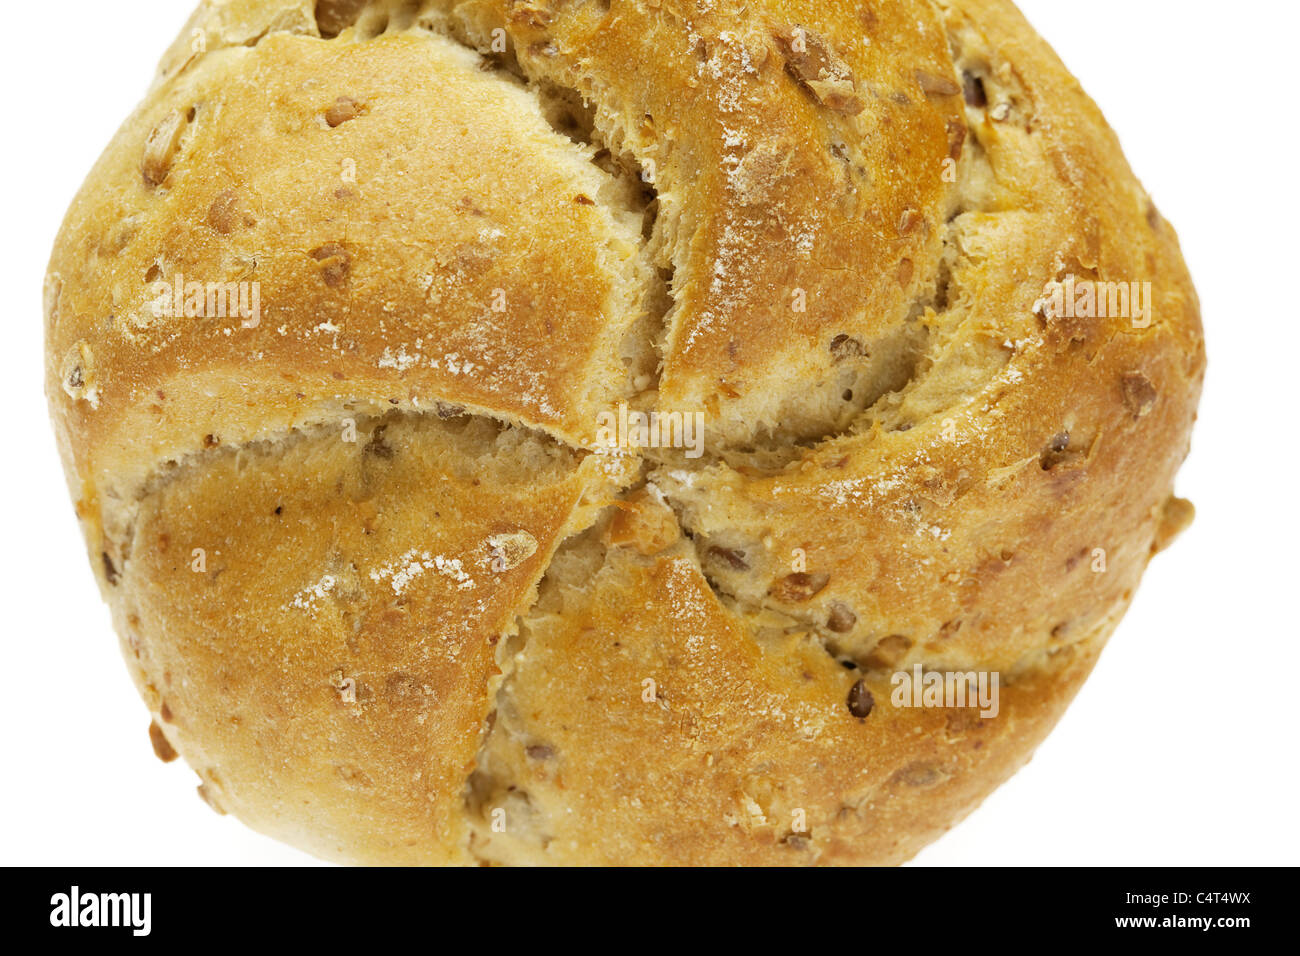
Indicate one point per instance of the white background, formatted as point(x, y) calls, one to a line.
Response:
point(1181, 749)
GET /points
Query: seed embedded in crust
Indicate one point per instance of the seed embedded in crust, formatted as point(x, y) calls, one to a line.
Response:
point(160, 148)
point(510, 550)
point(377, 446)
point(223, 213)
point(819, 70)
point(906, 269)
point(1139, 394)
point(1176, 516)
point(973, 90)
point(1058, 453)
point(162, 749)
point(110, 571)
point(208, 797)
point(920, 774)
point(860, 700)
point(335, 16)
point(341, 110)
point(937, 85)
point(528, 14)
point(841, 619)
point(846, 346)
point(799, 587)
point(335, 263)
point(956, 137)
point(734, 559)
point(889, 651)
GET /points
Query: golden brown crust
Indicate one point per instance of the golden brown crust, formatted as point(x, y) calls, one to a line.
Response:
point(391, 270)
point(343, 538)
point(659, 731)
point(329, 627)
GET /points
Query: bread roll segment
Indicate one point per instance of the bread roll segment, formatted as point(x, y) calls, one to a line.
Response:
point(333, 322)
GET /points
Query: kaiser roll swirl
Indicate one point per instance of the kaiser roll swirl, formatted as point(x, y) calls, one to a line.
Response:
point(585, 431)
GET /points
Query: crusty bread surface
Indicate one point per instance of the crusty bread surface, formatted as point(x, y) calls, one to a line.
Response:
point(377, 575)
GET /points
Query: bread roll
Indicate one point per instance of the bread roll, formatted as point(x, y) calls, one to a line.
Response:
point(349, 336)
